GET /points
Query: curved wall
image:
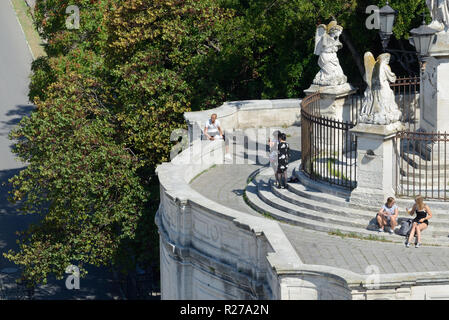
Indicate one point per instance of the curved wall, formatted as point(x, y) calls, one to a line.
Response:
point(209, 251)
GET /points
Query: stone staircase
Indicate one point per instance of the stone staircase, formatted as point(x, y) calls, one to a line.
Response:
point(429, 178)
point(320, 207)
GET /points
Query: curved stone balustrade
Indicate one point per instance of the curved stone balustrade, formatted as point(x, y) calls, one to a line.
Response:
point(248, 114)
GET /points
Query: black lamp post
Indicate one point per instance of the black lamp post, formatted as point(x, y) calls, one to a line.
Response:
point(387, 17)
point(422, 39)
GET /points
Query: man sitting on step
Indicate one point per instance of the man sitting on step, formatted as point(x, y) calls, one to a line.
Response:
point(213, 132)
point(388, 215)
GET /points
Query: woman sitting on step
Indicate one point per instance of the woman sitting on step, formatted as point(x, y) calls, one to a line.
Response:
point(388, 215)
point(421, 221)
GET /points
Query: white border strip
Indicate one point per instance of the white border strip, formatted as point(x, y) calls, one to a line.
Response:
point(21, 28)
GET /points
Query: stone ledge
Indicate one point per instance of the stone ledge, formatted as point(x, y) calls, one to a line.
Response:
point(248, 114)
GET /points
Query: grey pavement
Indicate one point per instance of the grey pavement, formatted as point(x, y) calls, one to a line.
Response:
point(15, 66)
point(318, 248)
point(232, 178)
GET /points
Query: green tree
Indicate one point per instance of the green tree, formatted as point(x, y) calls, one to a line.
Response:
point(108, 96)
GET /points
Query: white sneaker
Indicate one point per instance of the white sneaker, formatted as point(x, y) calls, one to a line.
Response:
point(228, 156)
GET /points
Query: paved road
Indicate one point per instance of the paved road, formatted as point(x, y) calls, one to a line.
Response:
point(15, 64)
point(317, 248)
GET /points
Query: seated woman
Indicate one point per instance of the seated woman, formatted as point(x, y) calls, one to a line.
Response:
point(421, 221)
point(388, 215)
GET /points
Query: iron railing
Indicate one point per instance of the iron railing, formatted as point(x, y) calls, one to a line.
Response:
point(329, 150)
point(422, 164)
point(406, 91)
point(328, 147)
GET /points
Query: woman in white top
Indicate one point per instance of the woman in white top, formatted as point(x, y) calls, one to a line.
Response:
point(273, 143)
point(388, 215)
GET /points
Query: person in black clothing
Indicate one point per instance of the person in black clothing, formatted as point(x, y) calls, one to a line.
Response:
point(283, 157)
point(421, 221)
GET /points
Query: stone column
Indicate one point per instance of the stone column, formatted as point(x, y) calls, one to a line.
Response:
point(334, 102)
point(375, 163)
point(435, 86)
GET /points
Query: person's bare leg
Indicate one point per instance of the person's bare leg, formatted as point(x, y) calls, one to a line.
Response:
point(419, 229)
point(380, 221)
point(418, 234)
point(393, 223)
point(412, 232)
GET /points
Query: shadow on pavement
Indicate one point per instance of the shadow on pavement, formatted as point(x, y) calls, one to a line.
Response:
point(13, 118)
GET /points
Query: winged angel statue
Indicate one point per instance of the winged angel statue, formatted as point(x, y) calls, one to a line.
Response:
point(327, 44)
point(439, 10)
point(379, 105)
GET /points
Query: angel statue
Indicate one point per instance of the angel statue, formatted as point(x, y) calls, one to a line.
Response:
point(327, 44)
point(439, 10)
point(379, 105)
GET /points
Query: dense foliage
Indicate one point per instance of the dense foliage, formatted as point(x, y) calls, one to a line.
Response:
point(109, 95)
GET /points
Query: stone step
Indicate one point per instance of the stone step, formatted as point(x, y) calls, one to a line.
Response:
point(273, 201)
point(257, 204)
point(321, 211)
point(324, 192)
point(325, 188)
point(415, 161)
point(316, 195)
point(431, 193)
point(422, 174)
point(424, 188)
point(428, 195)
point(441, 221)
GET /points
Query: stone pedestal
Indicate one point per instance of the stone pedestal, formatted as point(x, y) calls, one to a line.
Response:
point(375, 163)
point(334, 102)
point(434, 97)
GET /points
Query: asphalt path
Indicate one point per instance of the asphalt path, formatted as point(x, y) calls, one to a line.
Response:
point(15, 68)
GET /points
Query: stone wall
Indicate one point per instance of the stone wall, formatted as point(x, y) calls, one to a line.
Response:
point(248, 114)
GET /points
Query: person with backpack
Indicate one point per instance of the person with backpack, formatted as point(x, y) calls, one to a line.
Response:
point(283, 158)
point(420, 222)
point(388, 215)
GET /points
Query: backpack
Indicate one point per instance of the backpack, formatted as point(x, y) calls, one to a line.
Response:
point(406, 226)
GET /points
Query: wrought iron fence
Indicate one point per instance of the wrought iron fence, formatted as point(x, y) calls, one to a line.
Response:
point(328, 147)
point(329, 150)
point(422, 164)
point(406, 91)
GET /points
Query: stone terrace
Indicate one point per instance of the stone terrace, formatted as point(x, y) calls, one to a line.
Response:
point(229, 182)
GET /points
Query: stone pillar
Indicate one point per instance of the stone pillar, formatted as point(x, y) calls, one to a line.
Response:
point(434, 99)
point(375, 163)
point(334, 102)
